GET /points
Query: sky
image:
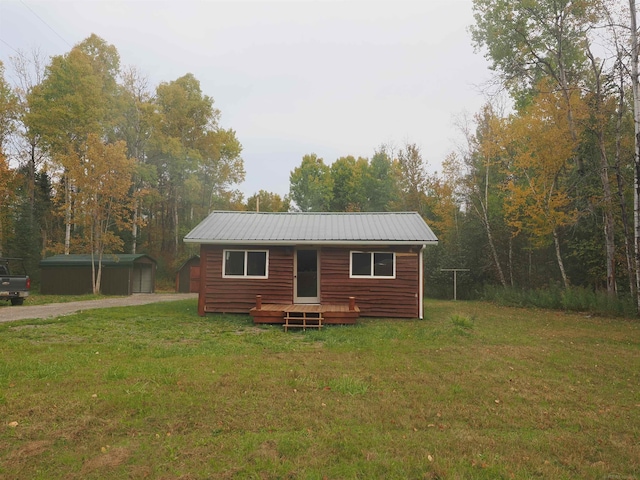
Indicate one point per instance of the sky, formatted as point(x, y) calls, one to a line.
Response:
point(291, 78)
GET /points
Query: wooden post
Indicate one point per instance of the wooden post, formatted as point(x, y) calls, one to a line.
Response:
point(258, 302)
point(455, 278)
point(352, 304)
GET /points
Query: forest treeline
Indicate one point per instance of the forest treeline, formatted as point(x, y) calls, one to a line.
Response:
point(541, 194)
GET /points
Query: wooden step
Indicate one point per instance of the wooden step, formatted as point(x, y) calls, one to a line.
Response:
point(302, 320)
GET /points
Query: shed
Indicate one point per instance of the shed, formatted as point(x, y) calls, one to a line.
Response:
point(312, 259)
point(122, 274)
point(188, 276)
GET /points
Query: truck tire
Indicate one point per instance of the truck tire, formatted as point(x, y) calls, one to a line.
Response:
point(17, 301)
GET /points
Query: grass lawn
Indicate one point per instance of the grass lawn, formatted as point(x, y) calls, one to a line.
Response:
point(473, 391)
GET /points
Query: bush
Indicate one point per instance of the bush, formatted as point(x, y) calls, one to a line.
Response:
point(553, 297)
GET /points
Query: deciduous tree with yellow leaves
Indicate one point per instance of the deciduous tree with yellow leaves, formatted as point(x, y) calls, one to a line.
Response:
point(541, 147)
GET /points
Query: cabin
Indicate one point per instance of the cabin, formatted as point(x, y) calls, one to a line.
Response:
point(122, 274)
point(340, 265)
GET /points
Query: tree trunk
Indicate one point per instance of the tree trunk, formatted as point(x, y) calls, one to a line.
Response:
point(134, 227)
point(556, 242)
point(609, 233)
point(511, 262)
point(67, 217)
point(628, 249)
point(487, 226)
point(636, 123)
point(175, 226)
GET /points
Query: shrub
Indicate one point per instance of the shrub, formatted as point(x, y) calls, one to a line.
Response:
point(576, 299)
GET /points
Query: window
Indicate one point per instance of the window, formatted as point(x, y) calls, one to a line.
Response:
point(245, 263)
point(373, 265)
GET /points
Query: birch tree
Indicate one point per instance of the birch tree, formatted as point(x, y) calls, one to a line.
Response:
point(483, 158)
point(103, 178)
point(76, 98)
point(635, 85)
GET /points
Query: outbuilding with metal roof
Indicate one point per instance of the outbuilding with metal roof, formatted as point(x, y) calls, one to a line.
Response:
point(122, 274)
point(313, 259)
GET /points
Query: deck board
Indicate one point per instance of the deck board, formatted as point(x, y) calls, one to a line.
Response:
point(332, 313)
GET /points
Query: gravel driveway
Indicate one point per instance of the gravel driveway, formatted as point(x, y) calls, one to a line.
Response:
point(22, 312)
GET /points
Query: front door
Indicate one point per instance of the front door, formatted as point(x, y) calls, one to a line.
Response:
point(306, 278)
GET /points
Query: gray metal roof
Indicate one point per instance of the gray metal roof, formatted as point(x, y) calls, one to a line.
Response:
point(82, 260)
point(267, 228)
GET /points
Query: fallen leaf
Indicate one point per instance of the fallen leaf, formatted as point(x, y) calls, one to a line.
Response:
point(430, 458)
point(13, 424)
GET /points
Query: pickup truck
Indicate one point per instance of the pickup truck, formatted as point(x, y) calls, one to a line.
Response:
point(14, 288)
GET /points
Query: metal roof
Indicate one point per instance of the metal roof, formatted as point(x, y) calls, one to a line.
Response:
point(108, 260)
point(268, 228)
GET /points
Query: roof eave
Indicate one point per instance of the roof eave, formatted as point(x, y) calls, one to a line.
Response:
point(349, 243)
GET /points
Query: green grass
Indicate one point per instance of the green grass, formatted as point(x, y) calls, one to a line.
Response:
point(473, 391)
point(35, 298)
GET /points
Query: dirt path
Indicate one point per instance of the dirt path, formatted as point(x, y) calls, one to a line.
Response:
point(23, 312)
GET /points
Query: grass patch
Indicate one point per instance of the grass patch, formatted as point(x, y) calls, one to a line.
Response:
point(36, 298)
point(474, 391)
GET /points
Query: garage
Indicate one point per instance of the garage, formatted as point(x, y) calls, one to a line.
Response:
point(122, 274)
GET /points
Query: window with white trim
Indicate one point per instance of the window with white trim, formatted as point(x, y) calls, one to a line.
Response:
point(245, 263)
point(372, 265)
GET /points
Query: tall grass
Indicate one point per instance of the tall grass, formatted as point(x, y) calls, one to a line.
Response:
point(575, 299)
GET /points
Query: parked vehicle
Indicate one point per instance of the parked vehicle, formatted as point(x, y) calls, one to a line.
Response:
point(13, 288)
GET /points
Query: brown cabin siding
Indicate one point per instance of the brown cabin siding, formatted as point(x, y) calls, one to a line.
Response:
point(376, 297)
point(232, 295)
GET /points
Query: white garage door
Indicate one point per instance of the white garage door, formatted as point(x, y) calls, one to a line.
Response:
point(142, 279)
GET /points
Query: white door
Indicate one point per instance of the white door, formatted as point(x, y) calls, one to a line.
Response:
point(306, 279)
point(142, 279)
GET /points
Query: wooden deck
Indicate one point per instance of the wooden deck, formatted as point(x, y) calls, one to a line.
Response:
point(329, 314)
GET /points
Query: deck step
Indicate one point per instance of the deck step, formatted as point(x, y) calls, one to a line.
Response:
point(302, 320)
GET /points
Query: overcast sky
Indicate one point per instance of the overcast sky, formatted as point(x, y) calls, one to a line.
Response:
point(334, 78)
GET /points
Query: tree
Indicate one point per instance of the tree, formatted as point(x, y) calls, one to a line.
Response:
point(447, 199)
point(599, 126)
point(264, 201)
point(530, 41)
point(75, 99)
point(6, 196)
point(7, 115)
point(413, 180)
point(348, 175)
point(196, 162)
point(635, 85)
point(8, 107)
point(103, 178)
point(135, 128)
point(538, 201)
point(311, 185)
point(30, 226)
point(380, 182)
point(222, 166)
point(484, 159)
